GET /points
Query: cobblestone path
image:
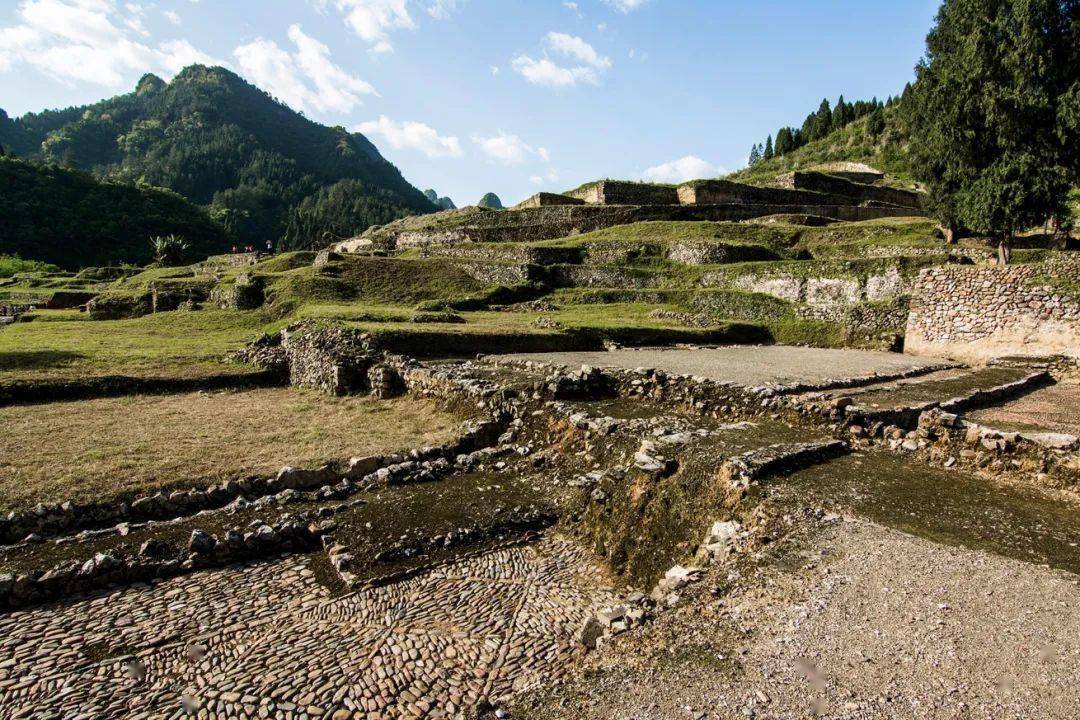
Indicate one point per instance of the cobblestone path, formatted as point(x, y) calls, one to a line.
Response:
point(267, 640)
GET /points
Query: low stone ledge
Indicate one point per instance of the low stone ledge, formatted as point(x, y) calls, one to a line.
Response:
point(43, 391)
point(743, 470)
point(157, 561)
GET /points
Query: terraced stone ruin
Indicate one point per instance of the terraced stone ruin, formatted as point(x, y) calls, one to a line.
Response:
point(670, 469)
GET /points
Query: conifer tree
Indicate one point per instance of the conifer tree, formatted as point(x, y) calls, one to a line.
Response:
point(768, 153)
point(994, 108)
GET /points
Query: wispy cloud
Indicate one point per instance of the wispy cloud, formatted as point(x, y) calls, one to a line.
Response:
point(626, 6)
point(93, 41)
point(585, 64)
point(509, 149)
point(686, 168)
point(416, 136)
point(305, 79)
point(374, 20)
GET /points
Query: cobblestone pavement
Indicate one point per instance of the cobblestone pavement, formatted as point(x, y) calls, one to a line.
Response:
point(267, 640)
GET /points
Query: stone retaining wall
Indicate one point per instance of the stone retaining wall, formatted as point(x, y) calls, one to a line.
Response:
point(979, 313)
point(626, 193)
point(721, 192)
point(820, 182)
point(544, 199)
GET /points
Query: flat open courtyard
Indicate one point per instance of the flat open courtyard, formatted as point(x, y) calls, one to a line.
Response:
point(95, 449)
point(746, 364)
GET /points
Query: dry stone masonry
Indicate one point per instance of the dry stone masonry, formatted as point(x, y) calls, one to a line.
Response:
point(976, 313)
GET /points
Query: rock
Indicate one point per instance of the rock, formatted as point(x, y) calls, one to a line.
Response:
point(591, 631)
point(609, 615)
point(201, 542)
point(301, 479)
point(723, 532)
point(1054, 441)
point(359, 467)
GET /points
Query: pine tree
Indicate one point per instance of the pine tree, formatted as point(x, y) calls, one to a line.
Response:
point(768, 153)
point(823, 116)
point(755, 155)
point(785, 142)
point(991, 108)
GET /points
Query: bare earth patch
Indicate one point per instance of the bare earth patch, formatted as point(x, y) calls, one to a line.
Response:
point(95, 449)
point(1051, 409)
point(858, 622)
point(746, 364)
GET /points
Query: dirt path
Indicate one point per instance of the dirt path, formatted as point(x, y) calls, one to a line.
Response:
point(856, 621)
point(746, 364)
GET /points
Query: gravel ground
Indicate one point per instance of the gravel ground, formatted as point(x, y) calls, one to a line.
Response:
point(851, 621)
point(746, 364)
point(1052, 409)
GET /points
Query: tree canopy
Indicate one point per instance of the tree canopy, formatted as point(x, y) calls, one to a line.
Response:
point(995, 108)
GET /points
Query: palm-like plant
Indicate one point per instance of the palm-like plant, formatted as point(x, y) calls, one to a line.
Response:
point(169, 250)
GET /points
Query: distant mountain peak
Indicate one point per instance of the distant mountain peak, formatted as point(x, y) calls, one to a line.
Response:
point(264, 169)
point(492, 201)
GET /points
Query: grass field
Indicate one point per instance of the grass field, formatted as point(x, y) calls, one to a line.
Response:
point(96, 449)
point(67, 345)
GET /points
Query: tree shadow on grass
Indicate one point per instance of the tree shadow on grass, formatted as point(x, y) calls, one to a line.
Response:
point(37, 359)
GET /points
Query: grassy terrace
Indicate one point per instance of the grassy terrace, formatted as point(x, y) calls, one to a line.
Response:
point(95, 449)
point(66, 345)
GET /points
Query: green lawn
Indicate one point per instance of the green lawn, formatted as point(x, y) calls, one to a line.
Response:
point(67, 345)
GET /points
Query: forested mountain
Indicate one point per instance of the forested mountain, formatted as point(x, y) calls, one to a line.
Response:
point(826, 120)
point(73, 220)
point(443, 203)
point(877, 139)
point(264, 171)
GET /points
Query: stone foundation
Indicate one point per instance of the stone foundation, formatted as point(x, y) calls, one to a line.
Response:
point(544, 199)
point(626, 193)
point(979, 313)
point(857, 192)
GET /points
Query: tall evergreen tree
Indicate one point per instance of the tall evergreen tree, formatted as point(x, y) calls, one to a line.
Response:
point(785, 143)
point(994, 107)
point(768, 152)
point(755, 155)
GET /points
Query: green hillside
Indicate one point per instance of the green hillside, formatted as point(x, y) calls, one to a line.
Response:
point(264, 171)
point(72, 219)
point(855, 142)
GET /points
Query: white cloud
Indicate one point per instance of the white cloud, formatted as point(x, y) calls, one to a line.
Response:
point(550, 177)
point(625, 6)
point(413, 136)
point(587, 64)
point(306, 79)
point(690, 167)
point(572, 7)
point(509, 149)
point(374, 20)
point(172, 16)
point(576, 48)
point(95, 41)
point(442, 9)
point(494, 70)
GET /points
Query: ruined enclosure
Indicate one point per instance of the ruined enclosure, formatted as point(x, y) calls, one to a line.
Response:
point(581, 504)
point(562, 460)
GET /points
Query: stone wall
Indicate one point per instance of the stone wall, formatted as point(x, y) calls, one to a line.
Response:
point(976, 313)
point(826, 290)
point(557, 221)
point(626, 193)
point(544, 199)
point(820, 182)
point(720, 192)
point(333, 360)
point(496, 273)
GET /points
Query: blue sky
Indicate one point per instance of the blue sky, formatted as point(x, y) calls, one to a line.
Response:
point(511, 96)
